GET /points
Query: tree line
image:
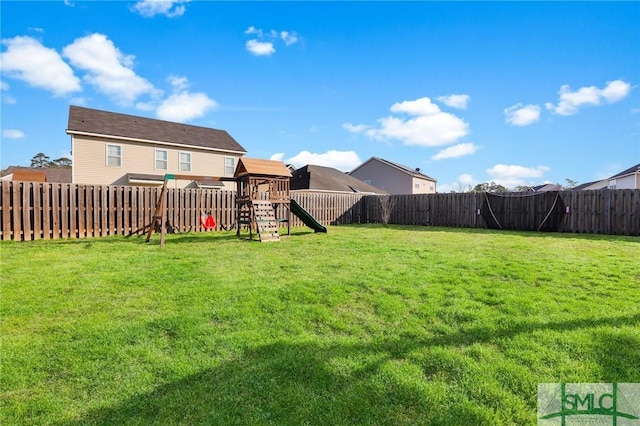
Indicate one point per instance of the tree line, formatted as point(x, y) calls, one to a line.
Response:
point(41, 161)
point(495, 187)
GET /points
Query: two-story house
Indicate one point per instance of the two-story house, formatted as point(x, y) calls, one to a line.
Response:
point(626, 179)
point(393, 177)
point(109, 148)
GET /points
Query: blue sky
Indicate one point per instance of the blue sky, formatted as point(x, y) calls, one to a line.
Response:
point(513, 92)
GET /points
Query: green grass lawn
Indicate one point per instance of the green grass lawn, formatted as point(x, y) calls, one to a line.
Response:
point(363, 325)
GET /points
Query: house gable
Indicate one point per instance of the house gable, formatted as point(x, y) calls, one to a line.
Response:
point(393, 177)
point(326, 179)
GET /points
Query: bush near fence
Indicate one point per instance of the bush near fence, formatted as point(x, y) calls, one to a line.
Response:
point(34, 210)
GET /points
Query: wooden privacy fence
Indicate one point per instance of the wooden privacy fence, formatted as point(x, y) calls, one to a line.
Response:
point(33, 210)
point(600, 212)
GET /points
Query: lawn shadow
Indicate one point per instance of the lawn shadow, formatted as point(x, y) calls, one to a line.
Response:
point(288, 384)
point(456, 230)
point(202, 237)
point(311, 382)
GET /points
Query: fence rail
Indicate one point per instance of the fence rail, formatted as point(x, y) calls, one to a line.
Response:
point(35, 210)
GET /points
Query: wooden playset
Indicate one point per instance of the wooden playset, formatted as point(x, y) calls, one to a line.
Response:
point(263, 200)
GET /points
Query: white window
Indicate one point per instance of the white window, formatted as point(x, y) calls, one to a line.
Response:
point(416, 185)
point(114, 156)
point(162, 159)
point(229, 166)
point(185, 162)
point(612, 184)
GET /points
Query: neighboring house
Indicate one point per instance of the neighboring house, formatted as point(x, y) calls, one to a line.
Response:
point(594, 185)
point(312, 178)
point(393, 177)
point(37, 174)
point(291, 168)
point(626, 179)
point(117, 149)
point(546, 187)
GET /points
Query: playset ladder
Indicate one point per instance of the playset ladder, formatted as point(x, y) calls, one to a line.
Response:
point(265, 219)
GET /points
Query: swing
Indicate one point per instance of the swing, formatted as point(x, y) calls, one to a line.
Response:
point(207, 221)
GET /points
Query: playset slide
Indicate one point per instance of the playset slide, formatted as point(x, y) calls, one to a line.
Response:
point(306, 218)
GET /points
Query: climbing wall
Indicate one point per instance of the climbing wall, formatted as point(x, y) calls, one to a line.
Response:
point(266, 221)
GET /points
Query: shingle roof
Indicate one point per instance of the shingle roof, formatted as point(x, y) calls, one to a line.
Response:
point(583, 185)
point(406, 169)
point(546, 187)
point(33, 174)
point(86, 120)
point(258, 167)
point(321, 178)
point(630, 170)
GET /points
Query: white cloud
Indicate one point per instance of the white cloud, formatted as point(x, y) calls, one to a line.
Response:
point(108, 69)
point(341, 160)
point(13, 134)
point(465, 182)
point(260, 48)
point(430, 126)
point(78, 101)
point(6, 99)
point(455, 101)
point(150, 8)
point(181, 106)
point(422, 106)
point(466, 179)
point(511, 176)
point(178, 82)
point(264, 42)
point(570, 102)
point(520, 115)
point(28, 60)
point(615, 90)
point(456, 151)
point(360, 128)
point(253, 30)
point(289, 38)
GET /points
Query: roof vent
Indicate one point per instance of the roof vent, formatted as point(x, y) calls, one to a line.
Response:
point(418, 169)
